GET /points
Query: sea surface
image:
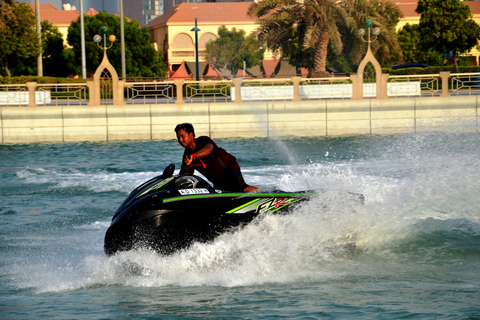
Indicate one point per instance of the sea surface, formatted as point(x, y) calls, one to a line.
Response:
point(417, 236)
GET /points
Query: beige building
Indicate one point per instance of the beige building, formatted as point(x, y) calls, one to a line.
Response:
point(171, 32)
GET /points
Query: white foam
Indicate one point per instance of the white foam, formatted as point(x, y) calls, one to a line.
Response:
point(96, 181)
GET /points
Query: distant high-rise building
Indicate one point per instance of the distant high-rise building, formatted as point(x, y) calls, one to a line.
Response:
point(143, 10)
point(111, 6)
point(99, 5)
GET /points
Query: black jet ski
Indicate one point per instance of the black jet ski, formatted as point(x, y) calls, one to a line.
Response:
point(170, 212)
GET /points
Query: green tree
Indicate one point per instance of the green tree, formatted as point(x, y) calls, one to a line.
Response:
point(231, 48)
point(385, 15)
point(410, 42)
point(322, 25)
point(447, 26)
point(54, 55)
point(54, 52)
point(386, 48)
point(18, 38)
point(142, 60)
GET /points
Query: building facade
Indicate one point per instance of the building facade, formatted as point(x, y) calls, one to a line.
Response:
point(171, 32)
point(145, 11)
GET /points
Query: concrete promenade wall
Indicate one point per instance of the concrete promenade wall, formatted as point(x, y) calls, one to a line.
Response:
point(247, 119)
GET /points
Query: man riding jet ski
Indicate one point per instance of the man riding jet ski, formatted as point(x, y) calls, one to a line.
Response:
point(170, 212)
point(216, 164)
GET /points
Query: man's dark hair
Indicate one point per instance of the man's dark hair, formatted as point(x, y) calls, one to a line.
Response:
point(188, 127)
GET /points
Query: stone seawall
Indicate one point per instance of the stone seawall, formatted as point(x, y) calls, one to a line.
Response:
point(247, 119)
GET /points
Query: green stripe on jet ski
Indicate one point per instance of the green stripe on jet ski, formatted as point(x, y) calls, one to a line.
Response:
point(154, 187)
point(293, 201)
point(199, 196)
point(243, 206)
point(221, 195)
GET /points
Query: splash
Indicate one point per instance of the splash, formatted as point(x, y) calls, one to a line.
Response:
point(421, 209)
point(93, 180)
point(282, 147)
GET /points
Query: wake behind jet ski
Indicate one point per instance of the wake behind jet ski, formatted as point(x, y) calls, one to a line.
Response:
point(170, 212)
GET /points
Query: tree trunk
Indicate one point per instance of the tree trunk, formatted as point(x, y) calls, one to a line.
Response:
point(320, 59)
point(9, 74)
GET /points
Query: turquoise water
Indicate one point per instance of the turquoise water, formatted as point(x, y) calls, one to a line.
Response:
point(417, 236)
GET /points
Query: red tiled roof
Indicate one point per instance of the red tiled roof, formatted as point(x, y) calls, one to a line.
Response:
point(206, 12)
point(474, 6)
point(210, 72)
point(91, 12)
point(240, 74)
point(404, 1)
point(55, 16)
point(45, 7)
point(181, 73)
point(269, 66)
point(407, 7)
point(237, 12)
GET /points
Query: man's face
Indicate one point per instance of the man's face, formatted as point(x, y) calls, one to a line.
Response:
point(184, 138)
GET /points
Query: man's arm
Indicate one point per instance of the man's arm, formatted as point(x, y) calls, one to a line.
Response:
point(185, 169)
point(205, 151)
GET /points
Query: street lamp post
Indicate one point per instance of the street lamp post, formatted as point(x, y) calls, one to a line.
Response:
point(376, 32)
point(97, 38)
point(39, 35)
point(196, 29)
point(374, 70)
point(82, 42)
point(122, 41)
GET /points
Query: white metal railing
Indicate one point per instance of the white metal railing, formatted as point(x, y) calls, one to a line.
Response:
point(150, 92)
point(268, 89)
point(464, 83)
point(326, 88)
point(414, 85)
point(65, 94)
point(14, 94)
point(207, 91)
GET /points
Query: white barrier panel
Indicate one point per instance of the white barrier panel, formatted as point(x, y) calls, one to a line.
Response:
point(327, 91)
point(23, 97)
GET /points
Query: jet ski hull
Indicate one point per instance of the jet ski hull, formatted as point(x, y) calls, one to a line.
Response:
point(169, 213)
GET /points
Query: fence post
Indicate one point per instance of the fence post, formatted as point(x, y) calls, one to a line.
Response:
point(357, 87)
point(238, 89)
point(382, 93)
point(31, 94)
point(296, 88)
point(179, 83)
point(444, 75)
point(119, 93)
point(94, 93)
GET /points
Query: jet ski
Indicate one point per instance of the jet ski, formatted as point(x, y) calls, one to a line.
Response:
point(170, 212)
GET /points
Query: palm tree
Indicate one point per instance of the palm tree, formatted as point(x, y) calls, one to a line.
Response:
point(385, 15)
point(323, 22)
